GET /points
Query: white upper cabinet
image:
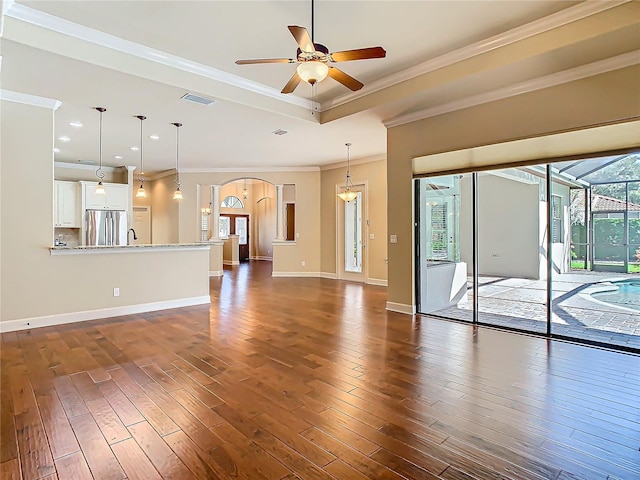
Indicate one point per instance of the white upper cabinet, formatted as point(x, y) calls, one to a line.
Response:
point(66, 204)
point(117, 197)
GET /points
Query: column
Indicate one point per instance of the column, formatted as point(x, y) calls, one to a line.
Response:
point(279, 222)
point(215, 212)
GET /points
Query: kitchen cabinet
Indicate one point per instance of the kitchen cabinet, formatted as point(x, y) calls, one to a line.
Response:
point(66, 204)
point(117, 197)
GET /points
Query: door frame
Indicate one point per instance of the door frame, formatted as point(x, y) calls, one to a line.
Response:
point(362, 277)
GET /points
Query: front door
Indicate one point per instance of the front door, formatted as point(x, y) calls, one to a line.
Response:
point(351, 228)
point(242, 230)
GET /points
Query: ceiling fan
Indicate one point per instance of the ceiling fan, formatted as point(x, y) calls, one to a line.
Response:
point(313, 60)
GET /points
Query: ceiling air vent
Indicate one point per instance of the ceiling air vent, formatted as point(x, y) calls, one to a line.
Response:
point(279, 132)
point(192, 97)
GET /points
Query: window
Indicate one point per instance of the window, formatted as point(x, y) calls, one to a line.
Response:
point(556, 209)
point(232, 202)
point(204, 228)
point(224, 227)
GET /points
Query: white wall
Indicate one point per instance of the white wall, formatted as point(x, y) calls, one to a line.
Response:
point(508, 236)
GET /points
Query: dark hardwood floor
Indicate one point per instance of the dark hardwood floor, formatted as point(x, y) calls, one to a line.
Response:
point(310, 378)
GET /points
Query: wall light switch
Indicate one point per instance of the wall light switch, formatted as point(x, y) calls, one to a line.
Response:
point(297, 234)
point(116, 292)
point(393, 239)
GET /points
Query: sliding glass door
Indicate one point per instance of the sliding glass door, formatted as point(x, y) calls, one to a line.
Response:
point(556, 249)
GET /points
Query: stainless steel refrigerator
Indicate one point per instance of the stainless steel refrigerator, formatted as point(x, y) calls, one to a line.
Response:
point(105, 227)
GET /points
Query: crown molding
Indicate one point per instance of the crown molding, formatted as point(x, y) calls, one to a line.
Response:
point(566, 76)
point(358, 161)
point(83, 166)
point(249, 169)
point(96, 37)
point(550, 22)
point(6, 4)
point(29, 99)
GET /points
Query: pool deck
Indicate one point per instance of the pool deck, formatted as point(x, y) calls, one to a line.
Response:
point(520, 303)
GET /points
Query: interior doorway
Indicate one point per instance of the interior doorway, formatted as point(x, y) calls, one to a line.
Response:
point(352, 258)
point(142, 225)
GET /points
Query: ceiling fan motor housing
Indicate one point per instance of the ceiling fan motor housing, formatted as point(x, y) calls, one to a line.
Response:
point(320, 54)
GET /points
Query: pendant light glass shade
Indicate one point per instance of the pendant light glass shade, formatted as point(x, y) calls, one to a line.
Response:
point(99, 173)
point(177, 195)
point(141, 192)
point(313, 71)
point(348, 194)
point(245, 192)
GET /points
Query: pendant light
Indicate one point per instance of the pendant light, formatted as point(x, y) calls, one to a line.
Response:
point(99, 173)
point(177, 195)
point(141, 193)
point(348, 194)
point(245, 192)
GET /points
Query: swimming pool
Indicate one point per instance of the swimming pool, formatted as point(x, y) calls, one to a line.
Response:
point(627, 294)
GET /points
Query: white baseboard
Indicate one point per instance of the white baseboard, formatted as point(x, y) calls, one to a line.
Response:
point(329, 275)
point(267, 259)
point(296, 274)
point(59, 319)
point(401, 308)
point(231, 262)
point(216, 273)
point(377, 281)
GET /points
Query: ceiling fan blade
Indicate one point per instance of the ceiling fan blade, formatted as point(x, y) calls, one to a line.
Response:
point(265, 60)
point(292, 83)
point(359, 54)
point(302, 37)
point(347, 80)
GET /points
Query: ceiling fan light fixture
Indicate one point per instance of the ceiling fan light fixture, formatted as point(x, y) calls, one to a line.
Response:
point(313, 71)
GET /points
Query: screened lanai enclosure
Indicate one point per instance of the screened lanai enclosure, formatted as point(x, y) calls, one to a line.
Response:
point(551, 249)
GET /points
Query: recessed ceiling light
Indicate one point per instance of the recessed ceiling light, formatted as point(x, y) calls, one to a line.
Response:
point(64, 139)
point(56, 150)
point(76, 124)
point(135, 149)
point(279, 132)
point(117, 157)
point(154, 137)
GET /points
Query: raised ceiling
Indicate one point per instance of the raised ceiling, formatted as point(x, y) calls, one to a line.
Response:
point(139, 58)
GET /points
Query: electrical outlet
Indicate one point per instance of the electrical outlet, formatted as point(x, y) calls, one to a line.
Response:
point(304, 264)
point(393, 239)
point(116, 292)
point(371, 236)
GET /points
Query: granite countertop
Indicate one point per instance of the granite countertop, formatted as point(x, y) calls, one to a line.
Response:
point(59, 250)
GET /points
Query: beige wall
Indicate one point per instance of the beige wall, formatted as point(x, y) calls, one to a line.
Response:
point(307, 245)
point(165, 211)
point(36, 284)
point(374, 175)
point(611, 97)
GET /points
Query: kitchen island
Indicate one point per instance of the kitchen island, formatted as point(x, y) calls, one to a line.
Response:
point(89, 282)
